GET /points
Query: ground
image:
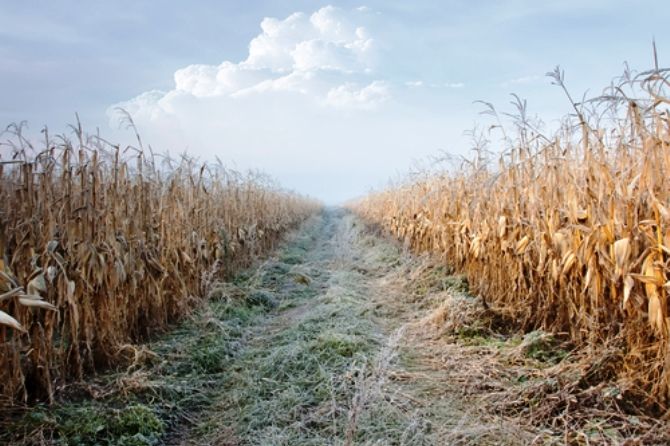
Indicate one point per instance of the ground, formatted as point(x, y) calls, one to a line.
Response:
point(340, 337)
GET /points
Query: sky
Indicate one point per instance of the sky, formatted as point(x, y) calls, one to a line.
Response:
point(332, 99)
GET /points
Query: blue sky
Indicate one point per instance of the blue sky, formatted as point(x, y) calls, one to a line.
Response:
point(329, 98)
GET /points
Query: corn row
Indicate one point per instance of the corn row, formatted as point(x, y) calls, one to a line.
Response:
point(100, 247)
point(569, 234)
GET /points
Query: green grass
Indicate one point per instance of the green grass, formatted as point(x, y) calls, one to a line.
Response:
point(458, 283)
point(93, 423)
point(543, 347)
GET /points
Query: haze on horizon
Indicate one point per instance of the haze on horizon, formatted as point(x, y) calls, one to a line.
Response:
point(330, 99)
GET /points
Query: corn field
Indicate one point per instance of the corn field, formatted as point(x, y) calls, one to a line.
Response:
point(100, 247)
point(569, 233)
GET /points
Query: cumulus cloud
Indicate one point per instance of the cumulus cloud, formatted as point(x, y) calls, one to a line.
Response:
point(328, 56)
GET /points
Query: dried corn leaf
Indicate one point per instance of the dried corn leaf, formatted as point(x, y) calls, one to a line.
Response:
point(9, 321)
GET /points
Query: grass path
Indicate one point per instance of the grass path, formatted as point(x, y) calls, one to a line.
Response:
point(341, 362)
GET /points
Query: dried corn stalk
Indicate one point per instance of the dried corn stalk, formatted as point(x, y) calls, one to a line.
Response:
point(569, 234)
point(97, 250)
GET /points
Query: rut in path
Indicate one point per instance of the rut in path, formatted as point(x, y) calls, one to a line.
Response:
point(345, 358)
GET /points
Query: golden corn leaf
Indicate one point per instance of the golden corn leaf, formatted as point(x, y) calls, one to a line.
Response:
point(655, 308)
point(560, 242)
point(628, 284)
point(502, 226)
point(475, 248)
point(651, 280)
point(522, 244)
point(555, 270)
point(621, 250)
point(655, 312)
point(589, 275)
point(568, 262)
point(651, 274)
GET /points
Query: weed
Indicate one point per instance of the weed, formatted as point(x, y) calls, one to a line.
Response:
point(262, 298)
point(92, 423)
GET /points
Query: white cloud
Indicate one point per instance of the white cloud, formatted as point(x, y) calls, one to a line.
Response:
point(272, 48)
point(212, 80)
point(420, 83)
point(144, 106)
point(351, 96)
point(328, 56)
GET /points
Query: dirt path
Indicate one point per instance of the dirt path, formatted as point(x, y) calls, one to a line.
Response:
point(346, 358)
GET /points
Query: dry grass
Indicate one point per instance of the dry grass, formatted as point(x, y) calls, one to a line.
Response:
point(100, 247)
point(569, 234)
